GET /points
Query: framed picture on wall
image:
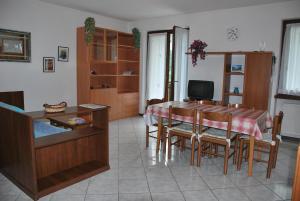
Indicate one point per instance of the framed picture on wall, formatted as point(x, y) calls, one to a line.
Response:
point(14, 45)
point(48, 64)
point(63, 54)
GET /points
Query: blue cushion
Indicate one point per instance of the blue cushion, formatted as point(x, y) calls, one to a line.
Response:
point(42, 129)
point(11, 107)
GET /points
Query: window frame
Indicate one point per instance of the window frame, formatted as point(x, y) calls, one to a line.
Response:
point(280, 95)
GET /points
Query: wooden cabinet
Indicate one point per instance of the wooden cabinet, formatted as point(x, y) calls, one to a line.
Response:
point(108, 71)
point(252, 81)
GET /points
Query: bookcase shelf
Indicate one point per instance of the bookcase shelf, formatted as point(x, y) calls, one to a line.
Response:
point(252, 81)
point(108, 70)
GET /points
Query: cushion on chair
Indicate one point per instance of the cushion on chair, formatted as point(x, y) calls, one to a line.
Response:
point(218, 133)
point(184, 127)
point(266, 137)
point(11, 107)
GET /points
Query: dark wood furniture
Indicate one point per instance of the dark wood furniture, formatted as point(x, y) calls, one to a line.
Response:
point(184, 131)
point(222, 138)
point(255, 78)
point(269, 144)
point(296, 185)
point(108, 71)
point(40, 166)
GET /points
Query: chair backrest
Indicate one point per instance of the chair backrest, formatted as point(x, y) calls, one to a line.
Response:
point(184, 112)
point(236, 105)
point(154, 101)
point(206, 102)
point(277, 121)
point(217, 117)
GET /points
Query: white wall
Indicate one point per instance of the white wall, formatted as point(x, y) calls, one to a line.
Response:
point(50, 26)
point(256, 23)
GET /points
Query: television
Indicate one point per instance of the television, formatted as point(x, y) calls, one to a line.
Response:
point(200, 90)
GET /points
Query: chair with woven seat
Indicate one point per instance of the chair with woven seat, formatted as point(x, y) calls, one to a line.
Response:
point(183, 131)
point(270, 143)
point(165, 124)
point(148, 132)
point(216, 136)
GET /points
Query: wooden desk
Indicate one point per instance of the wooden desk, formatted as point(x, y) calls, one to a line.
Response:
point(40, 166)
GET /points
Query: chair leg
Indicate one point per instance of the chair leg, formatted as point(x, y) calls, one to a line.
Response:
point(216, 150)
point(193, 152)
point(199, 154)
point(240, 155)
point(183, 143)
point(276, 153)
point(169, 145)
point(147, 136)
point(164, 140)
point(247, 153)
point(226, 156)
point(235, 151)
point(270, 162)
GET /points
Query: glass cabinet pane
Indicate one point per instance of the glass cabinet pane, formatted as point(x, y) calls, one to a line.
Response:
point(111, 46)
point(98, 45)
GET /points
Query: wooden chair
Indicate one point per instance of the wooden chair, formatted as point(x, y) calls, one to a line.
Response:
point(148, 132)
point(183, 131)
point(216, 136)
point(165, 123)
point(270, 143)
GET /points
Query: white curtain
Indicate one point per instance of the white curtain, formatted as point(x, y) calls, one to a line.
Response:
point(156, 66)
point(290, 63)
point(181, 63)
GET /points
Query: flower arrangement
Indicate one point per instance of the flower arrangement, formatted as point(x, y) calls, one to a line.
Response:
point(197, 48)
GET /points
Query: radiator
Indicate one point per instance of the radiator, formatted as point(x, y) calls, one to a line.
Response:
point(291, 120)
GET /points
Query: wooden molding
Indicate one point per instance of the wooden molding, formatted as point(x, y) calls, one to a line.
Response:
point(287, 97)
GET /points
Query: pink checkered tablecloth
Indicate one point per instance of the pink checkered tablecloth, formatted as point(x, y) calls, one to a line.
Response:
point(246, 121)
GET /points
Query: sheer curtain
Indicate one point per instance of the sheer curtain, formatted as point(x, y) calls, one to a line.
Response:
point(290, 63)
point(181, 63)
point(156, 66)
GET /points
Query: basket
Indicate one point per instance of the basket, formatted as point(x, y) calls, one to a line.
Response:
point(61, 107)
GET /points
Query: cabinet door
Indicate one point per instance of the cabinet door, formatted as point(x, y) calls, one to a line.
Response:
point(107, 97)
point(257, 80)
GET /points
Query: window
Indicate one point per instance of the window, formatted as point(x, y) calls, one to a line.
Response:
point(167, 64)
point(289, 81)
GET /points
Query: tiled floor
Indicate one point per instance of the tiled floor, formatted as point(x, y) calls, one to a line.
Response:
point(138, 174)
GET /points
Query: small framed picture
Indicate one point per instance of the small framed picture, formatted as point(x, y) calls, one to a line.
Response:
point(48, 64)
point(237, 68)
point(63, 54)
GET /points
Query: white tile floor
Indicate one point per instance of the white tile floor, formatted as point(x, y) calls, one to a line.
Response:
point(138, 174)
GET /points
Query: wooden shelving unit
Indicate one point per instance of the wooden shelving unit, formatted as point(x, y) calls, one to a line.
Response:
point(108, 70)
point(253, 81)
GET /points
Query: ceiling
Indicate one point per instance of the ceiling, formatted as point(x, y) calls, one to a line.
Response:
point(131, 10)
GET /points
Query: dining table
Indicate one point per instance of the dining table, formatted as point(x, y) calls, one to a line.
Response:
point(246, 121)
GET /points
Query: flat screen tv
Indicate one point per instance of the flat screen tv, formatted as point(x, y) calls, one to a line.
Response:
point(201, 90)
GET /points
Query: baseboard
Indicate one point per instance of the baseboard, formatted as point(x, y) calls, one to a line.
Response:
point(290, 139)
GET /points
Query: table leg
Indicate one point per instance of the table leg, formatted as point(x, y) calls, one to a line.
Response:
point(251, 155)
point(159, 131)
